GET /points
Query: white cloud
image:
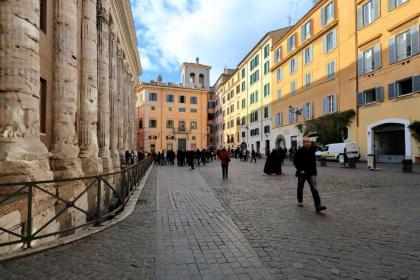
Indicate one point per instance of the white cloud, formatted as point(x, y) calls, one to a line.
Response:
point(220, 32)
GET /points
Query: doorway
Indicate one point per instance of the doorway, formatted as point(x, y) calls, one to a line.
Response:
point(182, 144)
point(389, 142)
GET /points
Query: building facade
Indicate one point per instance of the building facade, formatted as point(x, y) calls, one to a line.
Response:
point(174, 117)
point(68, 73)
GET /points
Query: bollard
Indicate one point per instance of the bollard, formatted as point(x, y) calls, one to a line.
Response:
point(407, 166)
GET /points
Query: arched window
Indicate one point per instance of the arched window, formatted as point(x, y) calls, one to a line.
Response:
point(192, 78)
point(201, 79)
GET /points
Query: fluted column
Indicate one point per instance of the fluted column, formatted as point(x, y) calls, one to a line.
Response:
point(23, 157)
point(103, 83)
point(134, 116)
point(125, 106)
point(65, 161)
point(129, 113)
point(120, 101)
point(113, 96)
point(88, 140)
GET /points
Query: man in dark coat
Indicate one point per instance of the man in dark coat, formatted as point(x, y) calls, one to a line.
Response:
point(305, 163)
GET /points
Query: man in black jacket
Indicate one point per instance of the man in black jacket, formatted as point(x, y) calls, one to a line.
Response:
point(305, 163)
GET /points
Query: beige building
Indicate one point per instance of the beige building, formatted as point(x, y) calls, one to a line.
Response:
point(68, 74)
point(174, 116)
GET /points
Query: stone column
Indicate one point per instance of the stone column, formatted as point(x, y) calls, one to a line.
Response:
point(65, 162)
point(129, 113)
point(120, 102)
point(88, 140)
point(125, 105)
point(23, 157)
point(103, 7)
point(134, 116)
point(113, 96)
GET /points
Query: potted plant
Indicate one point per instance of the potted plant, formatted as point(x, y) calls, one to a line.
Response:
point(415, 131)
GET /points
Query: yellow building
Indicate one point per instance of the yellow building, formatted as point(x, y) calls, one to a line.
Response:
point(389, 77)
point(244, 99)
point(313, 71)
point(174, 116)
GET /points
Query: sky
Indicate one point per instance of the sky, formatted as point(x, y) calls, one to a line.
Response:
point(219, 32)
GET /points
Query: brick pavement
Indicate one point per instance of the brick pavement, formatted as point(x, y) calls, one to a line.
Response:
point(190, 224)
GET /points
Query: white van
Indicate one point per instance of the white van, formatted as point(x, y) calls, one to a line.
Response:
point(333, 151)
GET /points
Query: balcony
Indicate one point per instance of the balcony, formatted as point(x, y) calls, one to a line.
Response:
point(181, 130)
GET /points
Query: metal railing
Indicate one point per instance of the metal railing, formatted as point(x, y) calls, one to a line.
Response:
point(108, 195)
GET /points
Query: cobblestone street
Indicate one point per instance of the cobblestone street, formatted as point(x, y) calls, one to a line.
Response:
point(190, 224)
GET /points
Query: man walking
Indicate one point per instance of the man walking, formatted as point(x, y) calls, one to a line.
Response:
point(305, 163)
point(253, 156)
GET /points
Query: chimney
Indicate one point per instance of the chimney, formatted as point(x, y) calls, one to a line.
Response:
point(197, 60)
point(159, 79)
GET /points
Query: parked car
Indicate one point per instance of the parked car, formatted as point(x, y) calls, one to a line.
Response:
point(333, 151)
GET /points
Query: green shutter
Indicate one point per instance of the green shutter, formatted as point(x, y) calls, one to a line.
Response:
point(392, 94)
point(379, 92)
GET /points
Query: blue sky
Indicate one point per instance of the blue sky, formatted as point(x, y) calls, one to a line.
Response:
point(220, 32)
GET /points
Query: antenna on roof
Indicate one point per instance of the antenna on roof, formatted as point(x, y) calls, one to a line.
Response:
point(291, 17)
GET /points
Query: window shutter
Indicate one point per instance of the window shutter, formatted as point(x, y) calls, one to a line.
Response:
point(325, 43)
point(334, 39)
point(379, 91)
point(325, 105)
point(376, 9)
point(334, 103)
point(302, 33)
point(333, 9)
point(311, 54)
point(281, 118)
point(310, 113)
point(415, 40)
point(360, 64)
point(323, 21)
point(416, 83)
point(391, 50)
point(391, 91)
point(305, 111)
point(391, 5)
point(377, 56)
point(361, 99)
point(359, 18)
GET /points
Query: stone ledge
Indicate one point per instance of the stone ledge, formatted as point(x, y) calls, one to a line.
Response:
point(128, 210)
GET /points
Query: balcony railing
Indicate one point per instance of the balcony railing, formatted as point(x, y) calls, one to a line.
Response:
point(107, 193)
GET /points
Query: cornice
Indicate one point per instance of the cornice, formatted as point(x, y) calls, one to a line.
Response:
point(123, 19)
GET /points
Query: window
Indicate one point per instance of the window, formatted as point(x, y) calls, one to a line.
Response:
point(404, 87)
point(243, 134)
point(368, 13)
point(266, 51)
point(293, 65)
point(369, 60)
point(308, 80)
point(181, 99)
point(266, 113)
point(279, 74)
point(307, 111)
point(254, 62)
point(237, 105)
point(140, 123)
point(252, 98)
point(307, 55)
point(392, 4)
point(224, 100)
point(169, 98)
point(153, 108)
point(243, 73)
point(152, 123)
point(277, 55)
point(169, 124)
point(266, 90)
point(255, 132)
point(43, 106)
point(279, 119)
point(238, 121)
point(152, 96)
point(404, 45)
point(254, 116)
point(181, 125)
point(193, 99)
point(292, 115)
point(330, 104)
point(266, 67)
point(291, 43)
point(170, 109)
point(238, 89)
point(306, 31)
point(243, 86)
point(43, 16)
point(256, 96)
point(279, 93)
point(331, 70)
point(243, 103)
point(232, 108)
point(266, 129)
point(182, 110)
point(327, 13)
point(194, 111)
point(255, 77)
point(369, 96)
point(293, 88)
point(330, 41)
point(193, 125)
